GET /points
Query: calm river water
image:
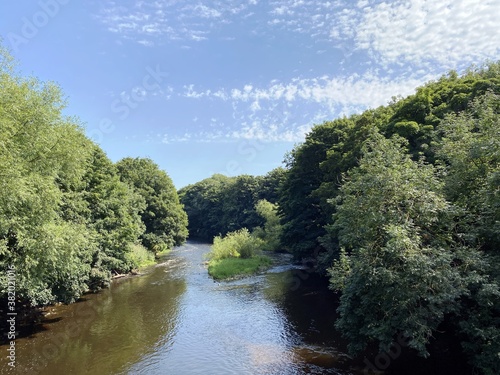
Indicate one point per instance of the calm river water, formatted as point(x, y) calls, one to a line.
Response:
point(176, 320)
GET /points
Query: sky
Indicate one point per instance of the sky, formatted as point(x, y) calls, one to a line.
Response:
point(204, 87)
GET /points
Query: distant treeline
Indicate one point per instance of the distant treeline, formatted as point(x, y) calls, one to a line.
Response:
point(221, 204)
point(399, 206)
point(69, 217)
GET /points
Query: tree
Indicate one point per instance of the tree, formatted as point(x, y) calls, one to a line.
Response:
point(300, 209)
point(470, 147)
point(397, 268)
point(163, 216)
point(111, 211)
point(240, 197)
point(203, 203)
point(271, 232)
point(220, 204)
point(39, 148)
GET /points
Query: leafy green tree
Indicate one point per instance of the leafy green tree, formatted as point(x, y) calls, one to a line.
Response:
point(240, 197)
point(163, 216)
point(396, 273)
point(301, 210)
point(203, 203)
point(112, 214)
point(270, 185)
point(271, 232)
point(220, 204)
point(470, 147)
point(39, 147)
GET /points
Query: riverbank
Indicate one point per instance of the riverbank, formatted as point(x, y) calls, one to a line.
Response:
point(231, 268)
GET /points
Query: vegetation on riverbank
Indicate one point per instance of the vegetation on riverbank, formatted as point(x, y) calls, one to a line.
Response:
point(70, 218)
point(236, 254)
point(140, 256)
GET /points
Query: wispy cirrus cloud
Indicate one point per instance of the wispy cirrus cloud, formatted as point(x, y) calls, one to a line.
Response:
point(447, 32)
point(151, 22)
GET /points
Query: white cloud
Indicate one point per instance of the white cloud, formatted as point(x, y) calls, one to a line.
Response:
point(447, 31)
point(357, 91)
point(204, 11)
point(285, 111)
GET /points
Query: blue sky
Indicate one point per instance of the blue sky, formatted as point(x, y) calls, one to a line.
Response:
point(205, 87)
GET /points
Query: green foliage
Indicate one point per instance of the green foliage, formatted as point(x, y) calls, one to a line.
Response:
point(235, 255)
point(340, 271)
point(300, 209)
point(470, 147)
point(406, 128)
point(38, 148)
point(111, 211)
point(235, 244)
point(203, 203)
point(397, 248)
point(271, 233)
point(163, 216)
point(66, 220)
point(139, 256)
point(220, 204)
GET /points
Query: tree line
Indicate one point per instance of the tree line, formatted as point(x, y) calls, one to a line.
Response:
point(399, 206)
point(219, 204)
point(70, 218)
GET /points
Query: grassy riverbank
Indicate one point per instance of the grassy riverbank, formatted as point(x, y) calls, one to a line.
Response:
point(229, 268)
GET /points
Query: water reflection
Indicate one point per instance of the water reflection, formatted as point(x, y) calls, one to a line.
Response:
point(105, 332)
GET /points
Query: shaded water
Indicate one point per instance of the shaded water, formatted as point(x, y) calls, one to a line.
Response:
point(176, 320)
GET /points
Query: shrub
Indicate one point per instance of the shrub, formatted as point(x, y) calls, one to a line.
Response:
point(234, 245)
point(139, 256)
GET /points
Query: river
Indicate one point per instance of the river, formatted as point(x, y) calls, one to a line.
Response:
point(176, 320)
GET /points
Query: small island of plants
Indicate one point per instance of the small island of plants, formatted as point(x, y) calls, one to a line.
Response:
point(236, 254)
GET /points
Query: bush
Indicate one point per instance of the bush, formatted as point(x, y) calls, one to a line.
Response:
point(234, 245)
point(139, 256)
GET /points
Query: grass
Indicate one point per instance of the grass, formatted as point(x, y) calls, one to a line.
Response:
point(229, 268)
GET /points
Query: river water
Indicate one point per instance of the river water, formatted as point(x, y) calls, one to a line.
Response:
point(176, 320)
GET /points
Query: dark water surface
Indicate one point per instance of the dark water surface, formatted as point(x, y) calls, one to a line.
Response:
point(176, 320)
